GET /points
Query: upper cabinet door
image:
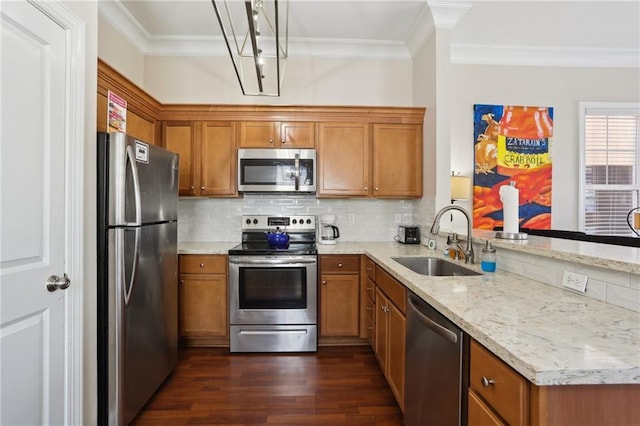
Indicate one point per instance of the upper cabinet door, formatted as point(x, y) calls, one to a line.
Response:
point(257, 134)
point(397, 160)
point(217, 159)
point(297, 134)
point(179, 137)
point(343, 159)
point(269, 134)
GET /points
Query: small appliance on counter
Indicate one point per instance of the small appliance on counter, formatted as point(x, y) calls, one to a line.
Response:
point(408, 234)
point(327, 229)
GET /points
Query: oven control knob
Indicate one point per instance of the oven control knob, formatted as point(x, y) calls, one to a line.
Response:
point(255, 221)
point(308, 221)
point(294, 221)
point(248, 222)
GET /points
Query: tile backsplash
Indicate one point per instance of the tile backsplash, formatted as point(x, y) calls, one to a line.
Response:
point(216, 220)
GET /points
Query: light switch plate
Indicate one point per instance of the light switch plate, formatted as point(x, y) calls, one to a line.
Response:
point(575, 281)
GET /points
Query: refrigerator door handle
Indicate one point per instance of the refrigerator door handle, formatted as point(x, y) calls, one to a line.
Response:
point(131, 159)
point(128, 289)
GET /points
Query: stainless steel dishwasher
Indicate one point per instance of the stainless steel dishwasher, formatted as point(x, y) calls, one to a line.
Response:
point(437, 368)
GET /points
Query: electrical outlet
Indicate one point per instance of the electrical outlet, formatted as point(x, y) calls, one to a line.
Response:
point(352, 218)
point(574, 281)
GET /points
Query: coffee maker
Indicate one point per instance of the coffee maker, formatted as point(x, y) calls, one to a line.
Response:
point(327, 231)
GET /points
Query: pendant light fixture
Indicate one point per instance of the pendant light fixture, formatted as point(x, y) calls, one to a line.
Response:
point(256, 35)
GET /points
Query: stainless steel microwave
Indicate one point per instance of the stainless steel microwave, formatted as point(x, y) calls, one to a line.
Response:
point(277, 170)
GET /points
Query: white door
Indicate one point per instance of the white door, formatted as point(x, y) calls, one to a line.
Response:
point(34, 228)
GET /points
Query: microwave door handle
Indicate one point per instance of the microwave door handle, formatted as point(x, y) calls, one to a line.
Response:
point(296, 163)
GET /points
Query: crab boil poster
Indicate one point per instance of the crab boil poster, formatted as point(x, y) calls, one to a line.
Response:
point(512, 145)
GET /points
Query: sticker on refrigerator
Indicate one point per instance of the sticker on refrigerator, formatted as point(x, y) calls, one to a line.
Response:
point(142, 152)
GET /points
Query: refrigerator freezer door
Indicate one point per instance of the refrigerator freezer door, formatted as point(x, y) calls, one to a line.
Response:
point(142, 181)
point(143, 338)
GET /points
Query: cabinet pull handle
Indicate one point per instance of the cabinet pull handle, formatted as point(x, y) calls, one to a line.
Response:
point(369, 289)
point(369, 328)
point(369, 269)
point(202, 265)
point(369, 308)
point(487, 382)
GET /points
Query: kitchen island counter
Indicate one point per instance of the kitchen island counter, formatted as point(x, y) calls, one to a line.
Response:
point(549, 335)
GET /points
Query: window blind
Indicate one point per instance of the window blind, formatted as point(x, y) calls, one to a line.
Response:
point(612, 169)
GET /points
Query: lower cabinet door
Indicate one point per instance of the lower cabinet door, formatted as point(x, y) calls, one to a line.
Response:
point(480, 414)
point(203, 306)
point(339, 305)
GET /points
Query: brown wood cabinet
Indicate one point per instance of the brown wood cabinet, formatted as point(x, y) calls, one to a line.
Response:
point(142, 109)
point(180, 137)
point(203, 306)
point(266, 134)
point(390, 331)
point(498, 395)
point(339, 296)
point(368, 300)
point(343, 159)
point(397, 160)
point(504, 391)
point(207, 156)
point(362, 160)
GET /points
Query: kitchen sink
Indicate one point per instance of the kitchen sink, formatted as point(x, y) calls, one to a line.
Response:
point(434, 267)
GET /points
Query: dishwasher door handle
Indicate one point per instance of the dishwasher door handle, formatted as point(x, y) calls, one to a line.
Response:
point(434, 326)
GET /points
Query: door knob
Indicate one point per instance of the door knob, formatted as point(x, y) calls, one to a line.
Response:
point(55, 282)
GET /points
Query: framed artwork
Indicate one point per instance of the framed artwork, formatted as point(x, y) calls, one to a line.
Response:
point(512, 146)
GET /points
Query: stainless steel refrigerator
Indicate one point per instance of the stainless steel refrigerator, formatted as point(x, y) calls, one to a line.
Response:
point(137, 273)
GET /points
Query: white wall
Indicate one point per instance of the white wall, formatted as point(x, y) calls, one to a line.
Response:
point(118, 52)
point(307, 81)
point(560, 88)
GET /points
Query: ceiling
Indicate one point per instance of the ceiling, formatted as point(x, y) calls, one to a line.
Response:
point(566, 32)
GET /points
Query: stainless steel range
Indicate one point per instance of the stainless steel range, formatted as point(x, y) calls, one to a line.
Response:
point(273, 291)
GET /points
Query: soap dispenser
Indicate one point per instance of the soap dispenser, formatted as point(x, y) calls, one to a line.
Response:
point(488, 259)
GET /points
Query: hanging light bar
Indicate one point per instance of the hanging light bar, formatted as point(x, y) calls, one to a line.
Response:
point(256, 36)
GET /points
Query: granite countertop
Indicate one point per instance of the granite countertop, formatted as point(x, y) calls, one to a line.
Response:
point(549, 335)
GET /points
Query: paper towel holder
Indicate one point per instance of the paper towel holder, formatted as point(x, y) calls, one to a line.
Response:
point(516, 236)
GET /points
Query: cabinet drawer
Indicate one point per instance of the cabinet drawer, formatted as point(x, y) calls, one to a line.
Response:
point(499, 385)
point(203, 264)
point(340, 264)
point(392, 288)
point(370, 267)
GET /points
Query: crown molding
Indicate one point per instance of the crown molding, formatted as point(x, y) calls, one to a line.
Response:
point(544, 56)
point(439, 15)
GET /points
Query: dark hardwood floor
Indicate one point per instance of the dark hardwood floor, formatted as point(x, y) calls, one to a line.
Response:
point(335, 386)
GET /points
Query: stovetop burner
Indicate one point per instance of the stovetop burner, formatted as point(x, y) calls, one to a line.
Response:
point(300, 228)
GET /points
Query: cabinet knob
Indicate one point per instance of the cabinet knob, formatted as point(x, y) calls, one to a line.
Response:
point(270, 140)
point(202, 265)
point(283, 141)
point(487, 382)
point(339, 265)
point(202, 188)
point(376, 188)
point(181, 281)
point(366, 188)
point(192, 187)
point(324, 282)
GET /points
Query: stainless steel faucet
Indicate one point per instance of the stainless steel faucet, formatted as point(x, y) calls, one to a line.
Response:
point(435, 228)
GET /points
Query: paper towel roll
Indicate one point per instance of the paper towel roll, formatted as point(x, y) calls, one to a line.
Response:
point(509, 197)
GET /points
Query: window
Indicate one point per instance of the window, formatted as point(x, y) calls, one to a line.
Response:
point(610, 164)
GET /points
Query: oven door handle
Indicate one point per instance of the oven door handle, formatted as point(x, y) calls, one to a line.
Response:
point(290, 262)
point(296, 162)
